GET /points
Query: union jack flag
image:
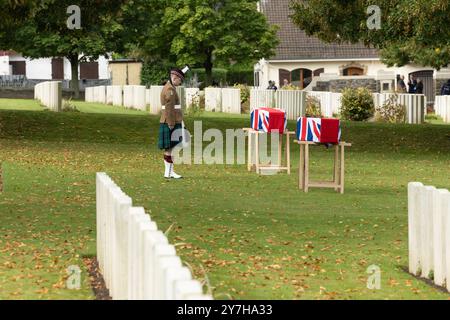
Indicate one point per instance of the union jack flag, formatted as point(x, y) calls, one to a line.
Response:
point(269, 120)
point(318, 130)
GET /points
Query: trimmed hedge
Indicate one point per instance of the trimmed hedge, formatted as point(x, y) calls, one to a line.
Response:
point(224, 77)
point(157, 73)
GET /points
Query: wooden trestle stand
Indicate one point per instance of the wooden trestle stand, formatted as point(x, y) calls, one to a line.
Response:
point(339, 168)
point(258, 166)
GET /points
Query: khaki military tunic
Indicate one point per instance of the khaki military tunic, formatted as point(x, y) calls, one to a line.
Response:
point(171, 112)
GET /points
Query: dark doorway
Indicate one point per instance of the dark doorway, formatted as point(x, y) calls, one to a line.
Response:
point(57, 69)
point(428, 84)
point(89, 70)
point(18, 67)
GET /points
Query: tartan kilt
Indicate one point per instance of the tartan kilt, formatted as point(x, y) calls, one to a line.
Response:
point(164, 141)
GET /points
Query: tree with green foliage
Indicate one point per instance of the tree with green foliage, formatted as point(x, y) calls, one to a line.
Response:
point(12, 13)
point(210, 32)
point(410, 31)
point(46, 33)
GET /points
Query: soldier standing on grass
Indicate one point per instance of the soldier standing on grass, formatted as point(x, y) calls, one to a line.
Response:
point(171, 119)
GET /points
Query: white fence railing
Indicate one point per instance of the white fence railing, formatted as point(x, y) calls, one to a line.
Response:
point(291, 101)
point(442, 107)
point(330, 102)
point(429, 233)
point(262, 98)
point(49, 93)
point(135, 258)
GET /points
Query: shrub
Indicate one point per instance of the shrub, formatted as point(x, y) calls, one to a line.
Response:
point(290, 87)
point(391, 111)
point(313, 108)
point(68, 106)
point(245, 92)
point(432, 116)
point(197, 107)
point(357, 104)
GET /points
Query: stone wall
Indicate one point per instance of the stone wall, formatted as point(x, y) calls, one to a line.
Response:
point(338, 85)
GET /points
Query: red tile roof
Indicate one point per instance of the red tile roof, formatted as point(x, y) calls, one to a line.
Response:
point(7, 52)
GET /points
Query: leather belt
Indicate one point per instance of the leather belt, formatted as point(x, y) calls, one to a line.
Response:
point(177, 106)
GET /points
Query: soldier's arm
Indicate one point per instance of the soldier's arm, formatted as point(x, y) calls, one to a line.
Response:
point(170, 101)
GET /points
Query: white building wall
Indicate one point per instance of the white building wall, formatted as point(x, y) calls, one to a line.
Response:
point(103, 70)
point(4, 65)
point(68, 69)
point(269, 70)
point(16, 58)
point(39, 69)
point(42, 68)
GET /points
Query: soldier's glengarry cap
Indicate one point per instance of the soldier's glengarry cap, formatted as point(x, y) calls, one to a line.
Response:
point(179, 73)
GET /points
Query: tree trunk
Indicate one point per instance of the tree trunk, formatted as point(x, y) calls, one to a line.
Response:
point(208, 68)
point(74, 85)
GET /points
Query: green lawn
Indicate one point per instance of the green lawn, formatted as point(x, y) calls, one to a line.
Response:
point(256, 237)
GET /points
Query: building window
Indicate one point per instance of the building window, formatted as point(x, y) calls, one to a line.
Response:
point(318, 72)
point(301, 78)
point(18, 67)
point(283, 74)
point(353, 71)
point(256, 79)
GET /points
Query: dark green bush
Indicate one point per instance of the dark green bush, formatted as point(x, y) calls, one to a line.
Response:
point(154, 73)
point(357, 104)
point(157, 73)
point(240, 76)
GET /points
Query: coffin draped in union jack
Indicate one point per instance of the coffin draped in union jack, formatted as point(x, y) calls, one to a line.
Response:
point(269, 120)
point(319, 130)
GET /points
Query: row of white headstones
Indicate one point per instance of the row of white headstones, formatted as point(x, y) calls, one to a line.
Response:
point(135, 258)
point(429, 233)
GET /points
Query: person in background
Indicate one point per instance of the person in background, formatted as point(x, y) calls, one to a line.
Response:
point(401, 85)
point(171, 119)
point(445, 89)
point(419, 86)
point(412, 84)
point(285, 83)
point(272, 86)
